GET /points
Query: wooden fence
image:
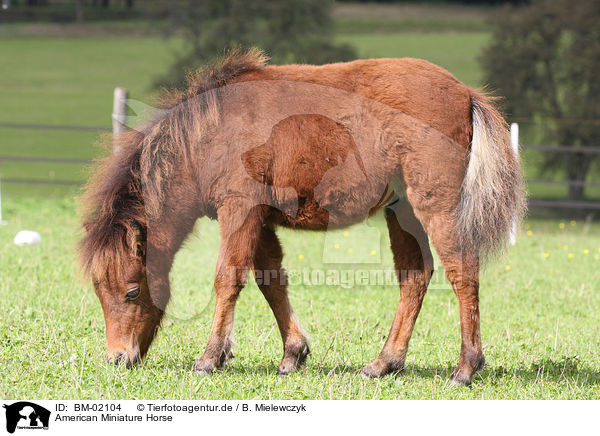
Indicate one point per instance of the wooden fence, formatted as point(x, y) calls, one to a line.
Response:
point(563, 204)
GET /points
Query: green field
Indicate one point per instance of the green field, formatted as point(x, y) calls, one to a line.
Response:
point(540, 323)
point(540, 303)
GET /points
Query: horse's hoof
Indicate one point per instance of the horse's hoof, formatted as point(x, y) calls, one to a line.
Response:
point(202, 369)
point(293, 363)
point(379, 368)
point(459, 379)
point(372, 370)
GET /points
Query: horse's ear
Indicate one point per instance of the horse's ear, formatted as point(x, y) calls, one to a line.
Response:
point(137, 239)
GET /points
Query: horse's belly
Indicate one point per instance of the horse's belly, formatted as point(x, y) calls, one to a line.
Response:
point(339, 209)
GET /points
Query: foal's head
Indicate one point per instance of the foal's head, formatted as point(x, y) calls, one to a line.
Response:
point(131, 315)
point(113, 253)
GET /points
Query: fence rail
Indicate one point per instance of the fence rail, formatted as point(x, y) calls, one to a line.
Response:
point(563, 149)
point(565, 204)
point(561, 204)
point(55, 127)
point(43, 182)
point(35, 159)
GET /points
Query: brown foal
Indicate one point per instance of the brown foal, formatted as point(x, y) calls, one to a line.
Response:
point(306, 147)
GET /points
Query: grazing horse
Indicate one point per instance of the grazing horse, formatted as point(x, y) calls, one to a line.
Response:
point(307, 147)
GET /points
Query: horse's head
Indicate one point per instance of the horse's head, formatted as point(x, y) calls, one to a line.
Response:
point(131, 315)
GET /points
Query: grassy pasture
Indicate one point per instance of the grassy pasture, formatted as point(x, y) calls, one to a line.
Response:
point(540, 322)
point(540, 302)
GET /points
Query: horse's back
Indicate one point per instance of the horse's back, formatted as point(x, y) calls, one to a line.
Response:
point(414, 86)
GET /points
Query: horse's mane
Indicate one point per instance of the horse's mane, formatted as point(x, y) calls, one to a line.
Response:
point(113, 202)
point(212, 76)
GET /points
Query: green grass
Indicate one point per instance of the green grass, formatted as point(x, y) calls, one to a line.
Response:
point(540, 323)
point(457, 52)
point(539, 316)
point(402, 17)
point(68, 81)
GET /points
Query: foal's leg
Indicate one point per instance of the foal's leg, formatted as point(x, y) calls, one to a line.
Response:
point(239, 236)
point(272, 281)
point(414, 266)
point(462, 270)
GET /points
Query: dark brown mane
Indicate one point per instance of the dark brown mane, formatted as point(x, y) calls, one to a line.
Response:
point(114, 200)
point(112, 203)
point(231, 65)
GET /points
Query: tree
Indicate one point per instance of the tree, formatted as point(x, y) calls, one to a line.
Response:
point(544, 59)
point(289, 31)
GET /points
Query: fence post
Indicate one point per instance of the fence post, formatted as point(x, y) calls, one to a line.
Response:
point(514, 142)
point(119, 115)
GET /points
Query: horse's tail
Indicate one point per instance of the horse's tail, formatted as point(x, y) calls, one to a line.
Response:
point(492, 194)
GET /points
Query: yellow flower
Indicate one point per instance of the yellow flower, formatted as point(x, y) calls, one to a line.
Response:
point(573, 223)
point(546, 255)
point(507, 267)
point(373, 252)
point(349, 250)
point(301, 257)
point(586, 251)
point(346, 234)
point(262, 306)
point(561, 225)
point(570, 255)
point(529, 233)
point(336, 246)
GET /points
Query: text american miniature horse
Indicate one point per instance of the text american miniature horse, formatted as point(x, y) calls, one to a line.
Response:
point(307, 147)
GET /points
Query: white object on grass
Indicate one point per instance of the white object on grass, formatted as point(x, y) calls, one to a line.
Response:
point(27, 237)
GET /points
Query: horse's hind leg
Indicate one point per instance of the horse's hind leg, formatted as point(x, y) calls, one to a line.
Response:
point(240, 232)
point(414, 266)
point(272, 281)
point(462, 270)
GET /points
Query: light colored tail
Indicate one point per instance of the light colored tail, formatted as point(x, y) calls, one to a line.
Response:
point(492, 196)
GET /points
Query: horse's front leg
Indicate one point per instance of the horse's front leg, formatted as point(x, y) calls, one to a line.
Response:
point(272, 281)
point(239, 236)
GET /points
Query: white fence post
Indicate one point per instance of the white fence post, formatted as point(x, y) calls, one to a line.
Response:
point(119, 115)
point(514, 142)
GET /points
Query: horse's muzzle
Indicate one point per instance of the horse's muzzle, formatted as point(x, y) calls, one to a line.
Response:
point(126, 359)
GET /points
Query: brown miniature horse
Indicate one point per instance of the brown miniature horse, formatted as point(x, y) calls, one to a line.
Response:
point(307, 147)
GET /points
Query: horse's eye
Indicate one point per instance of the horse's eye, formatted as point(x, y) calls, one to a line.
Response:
point(132, 293)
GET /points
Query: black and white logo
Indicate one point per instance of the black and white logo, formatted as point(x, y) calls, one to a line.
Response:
point(26, 415)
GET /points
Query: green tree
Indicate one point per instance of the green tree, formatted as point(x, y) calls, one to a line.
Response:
point(544, 59)
point(289, 31)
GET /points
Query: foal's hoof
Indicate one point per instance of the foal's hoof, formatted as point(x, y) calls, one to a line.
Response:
point(293, 362)
point(379, 368)
point(203, 369)
point(462, 374)
point(207, 366)
point(459, 380)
